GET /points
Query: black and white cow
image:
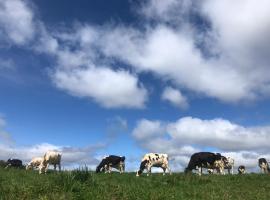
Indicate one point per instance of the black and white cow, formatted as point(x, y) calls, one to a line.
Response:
point(241, 169)
point(205, 160)
point(112, 161)
point(263, 164)
point(14, 163)
point(154, 160)
point(228, 164)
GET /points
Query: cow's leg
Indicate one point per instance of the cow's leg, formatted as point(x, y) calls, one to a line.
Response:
point(59, 166)
point(169, 170)
point(46, 168)
point(200, 171)
point(148, 170)
point(121, 168)
point(164, 170)
point(54, 167)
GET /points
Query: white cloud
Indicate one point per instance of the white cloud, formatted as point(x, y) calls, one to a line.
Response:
point(165, 11)
point(16, 21)
point(188, 135)
point(175, 97)
point(108, 87)
point(169, 51)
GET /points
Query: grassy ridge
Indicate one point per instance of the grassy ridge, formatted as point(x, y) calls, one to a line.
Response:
point(19, 184)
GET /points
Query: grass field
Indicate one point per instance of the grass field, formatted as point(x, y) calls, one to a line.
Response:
point(21, 184)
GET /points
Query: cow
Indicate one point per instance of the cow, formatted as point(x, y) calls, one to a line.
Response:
point(241, 169)
point(111, 161)
point(34, 163)
point(228, 164)
point(204, 160)
point(14, 163)
point(263, 164)
point(154, 160)
point(218, 166)
point(50, 158)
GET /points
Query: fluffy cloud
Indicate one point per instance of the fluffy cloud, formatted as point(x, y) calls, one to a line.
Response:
point(209, 59)
point(108, 87)
point(16, 21)
point(175, 97)
point(71, 157)
point(188, 135)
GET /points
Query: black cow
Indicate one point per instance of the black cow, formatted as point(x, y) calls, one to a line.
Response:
point(112, 161)
point(263, 164)
point(14, 163)
point(202, 160)
point(241, 169)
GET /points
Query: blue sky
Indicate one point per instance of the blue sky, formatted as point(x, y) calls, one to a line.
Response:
point(94, 77)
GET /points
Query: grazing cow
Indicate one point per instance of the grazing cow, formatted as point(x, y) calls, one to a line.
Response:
point(204, 160)
point(154, 160)
point(14, 163)
point(241, 169)
point(263, 164)
point(50, 158)
point(112, 161)
point(34, 163)
point(228, 164)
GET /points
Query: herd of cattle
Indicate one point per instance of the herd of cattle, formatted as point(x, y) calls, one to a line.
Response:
point(213, 162)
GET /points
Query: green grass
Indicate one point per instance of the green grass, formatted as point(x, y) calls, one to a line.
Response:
point(82, 184)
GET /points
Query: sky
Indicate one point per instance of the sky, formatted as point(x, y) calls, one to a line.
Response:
point(92, 78)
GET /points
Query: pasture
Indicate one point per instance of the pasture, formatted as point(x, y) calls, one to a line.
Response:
point(83, 184)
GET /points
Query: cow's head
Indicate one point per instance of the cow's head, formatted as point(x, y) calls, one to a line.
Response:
point(218, 156)
point(28, 167)
point(142, 167)
point(187, 170)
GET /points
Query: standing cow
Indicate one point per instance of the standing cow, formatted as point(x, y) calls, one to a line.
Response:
point(112, 161)
point(241, 169)
point(229, 164)
point(205, 160)
point(34, 163)
point(154, 160)
point(14, 163)
point(263, 164)
point(50, 158)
